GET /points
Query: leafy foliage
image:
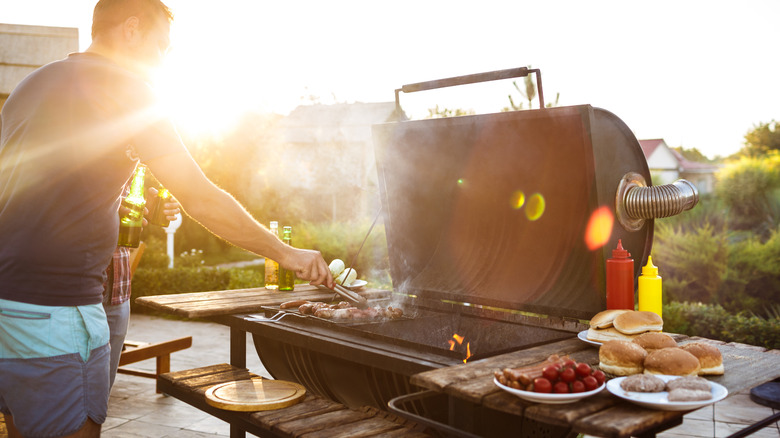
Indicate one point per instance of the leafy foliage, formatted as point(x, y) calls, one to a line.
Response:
point(748, 189)
point(714, 322)
point(694, 262)
point(763, 139)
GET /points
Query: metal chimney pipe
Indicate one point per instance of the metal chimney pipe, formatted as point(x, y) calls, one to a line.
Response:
point(636, 202)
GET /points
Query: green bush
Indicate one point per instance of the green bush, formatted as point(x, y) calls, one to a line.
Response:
point(693, 263)
point(715, 322)
point(156, 281)
point(752, 281)
point(748, 188)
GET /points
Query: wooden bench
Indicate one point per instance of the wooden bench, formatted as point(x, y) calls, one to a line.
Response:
point(138, 351)
point(314, 417)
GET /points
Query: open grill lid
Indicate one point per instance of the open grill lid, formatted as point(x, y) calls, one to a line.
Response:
point(495, 209)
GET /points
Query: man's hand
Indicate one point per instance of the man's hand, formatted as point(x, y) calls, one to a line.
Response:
point(125, 211)
point(308, 265)
point(171, 208)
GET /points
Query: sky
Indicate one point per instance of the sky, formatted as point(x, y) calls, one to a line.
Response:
point(699, 74)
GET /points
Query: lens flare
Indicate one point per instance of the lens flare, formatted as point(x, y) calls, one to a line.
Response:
point(517, 200)
point(534, 209)
point(599, 228)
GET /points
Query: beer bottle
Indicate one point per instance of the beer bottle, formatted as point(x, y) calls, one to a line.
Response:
point(271, 267)
point(286, 277)
point(131, 221)
point(157, 216)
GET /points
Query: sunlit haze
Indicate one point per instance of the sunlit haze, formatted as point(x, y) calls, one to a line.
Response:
point(699, 74)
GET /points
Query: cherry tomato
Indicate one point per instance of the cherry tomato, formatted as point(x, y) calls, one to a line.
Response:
point(568, 375)
point(569, 363)
point(561, 388)
point(550, 373)
point(590, 383)
point(583, 369)
point(600, 377)
point(577, 386)
point(542, 385)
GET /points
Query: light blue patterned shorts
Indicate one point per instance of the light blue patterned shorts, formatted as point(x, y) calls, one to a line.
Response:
point(53, 366)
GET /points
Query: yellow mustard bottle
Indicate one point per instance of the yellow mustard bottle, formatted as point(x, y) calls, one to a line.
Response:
point(649, 289)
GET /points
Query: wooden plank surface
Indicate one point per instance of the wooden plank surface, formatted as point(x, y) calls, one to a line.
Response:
point(604, 414)
point(229, 302)
point(314, 417)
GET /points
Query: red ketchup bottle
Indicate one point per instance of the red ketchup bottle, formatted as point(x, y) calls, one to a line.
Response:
point(620, 279)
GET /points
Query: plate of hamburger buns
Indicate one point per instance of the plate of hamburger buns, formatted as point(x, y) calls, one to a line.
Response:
point(620, 324)
point(650, 368)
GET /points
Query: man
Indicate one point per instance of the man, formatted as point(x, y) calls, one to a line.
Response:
point(70, 131)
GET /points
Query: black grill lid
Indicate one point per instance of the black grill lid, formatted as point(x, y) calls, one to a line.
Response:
point(494, 209)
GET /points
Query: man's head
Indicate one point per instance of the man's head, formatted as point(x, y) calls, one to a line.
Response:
point(135, 31)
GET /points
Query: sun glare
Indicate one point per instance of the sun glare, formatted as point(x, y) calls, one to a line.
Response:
point(196, 105)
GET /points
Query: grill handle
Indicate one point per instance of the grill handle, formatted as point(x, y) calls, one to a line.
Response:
point(472, 79)
point(636, 202)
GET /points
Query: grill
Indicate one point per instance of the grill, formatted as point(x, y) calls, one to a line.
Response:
point(498, 228)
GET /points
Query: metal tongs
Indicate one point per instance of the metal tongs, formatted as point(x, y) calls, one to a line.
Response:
point(353, 297)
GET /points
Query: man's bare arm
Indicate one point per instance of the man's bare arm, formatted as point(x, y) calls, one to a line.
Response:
point(221, 214)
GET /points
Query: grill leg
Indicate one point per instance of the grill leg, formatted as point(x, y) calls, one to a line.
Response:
point(237, 347)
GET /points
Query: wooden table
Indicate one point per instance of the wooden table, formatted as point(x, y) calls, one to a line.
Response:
point(601, 415)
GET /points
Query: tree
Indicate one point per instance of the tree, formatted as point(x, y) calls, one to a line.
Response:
point(437, 113)
point(693, 154)
point(762, 139)
point(748, 188)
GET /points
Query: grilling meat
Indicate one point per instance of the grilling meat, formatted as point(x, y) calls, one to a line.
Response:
point(345, 310)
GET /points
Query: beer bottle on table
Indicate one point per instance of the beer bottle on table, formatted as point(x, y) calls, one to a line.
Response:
point(271, 267)
point(157, 214)
point(131, 221)
point(286, 277)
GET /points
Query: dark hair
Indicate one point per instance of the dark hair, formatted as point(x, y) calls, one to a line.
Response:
point(109, 13)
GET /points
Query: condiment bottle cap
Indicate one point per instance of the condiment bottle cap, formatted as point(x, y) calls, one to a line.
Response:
point(619, 252)
point(650, 269)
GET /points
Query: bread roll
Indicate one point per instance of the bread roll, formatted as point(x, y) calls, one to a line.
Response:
point(607, 334)
point(621, 358)
point(604, 319)
point(633, 323)
point(710, 358)
point(672, 361)
point(652, 341)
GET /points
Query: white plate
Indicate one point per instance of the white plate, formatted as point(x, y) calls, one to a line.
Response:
point(583, 335)
point(357, 284)
point(554, 399)
point(659, 400)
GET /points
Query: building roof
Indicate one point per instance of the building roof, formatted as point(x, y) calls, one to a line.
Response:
point(684, 165)
point(336, 123)
point(649, 146)
point(693, 166)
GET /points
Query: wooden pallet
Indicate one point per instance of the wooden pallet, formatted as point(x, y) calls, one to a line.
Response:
point(314, 417)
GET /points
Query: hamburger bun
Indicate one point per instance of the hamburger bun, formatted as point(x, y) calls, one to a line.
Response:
point(672, 361)
point(621, 358)
point(710, 358)
point(604, 319)
point(607, 334)
point(652, 341)
point(635, 322)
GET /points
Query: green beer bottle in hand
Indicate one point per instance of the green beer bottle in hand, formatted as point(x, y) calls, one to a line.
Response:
point(131, 219)
point(286, 277)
